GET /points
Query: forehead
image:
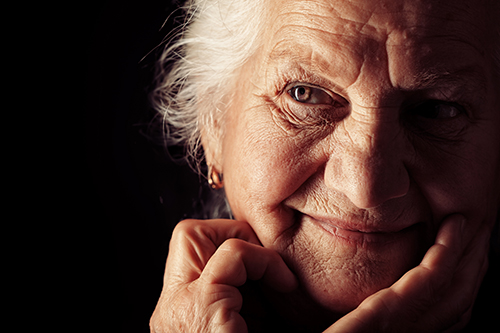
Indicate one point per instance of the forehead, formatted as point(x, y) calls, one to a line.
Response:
point(379, 19)
point(432, 37)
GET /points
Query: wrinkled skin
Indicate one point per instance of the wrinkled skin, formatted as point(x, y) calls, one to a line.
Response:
point(357, 129)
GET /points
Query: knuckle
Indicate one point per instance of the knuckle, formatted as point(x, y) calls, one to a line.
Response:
point(185, 226)
point(154, 326)
point(233, 245)
point(189, 230)
point(157, 324)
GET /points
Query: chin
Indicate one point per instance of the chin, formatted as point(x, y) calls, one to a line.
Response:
point(339, 268)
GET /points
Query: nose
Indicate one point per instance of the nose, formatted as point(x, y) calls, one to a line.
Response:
point(366, 161)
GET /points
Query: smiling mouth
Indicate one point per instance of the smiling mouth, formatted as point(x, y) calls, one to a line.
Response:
point(347, 232)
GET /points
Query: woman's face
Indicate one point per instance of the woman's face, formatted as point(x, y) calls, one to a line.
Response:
point(355, 130)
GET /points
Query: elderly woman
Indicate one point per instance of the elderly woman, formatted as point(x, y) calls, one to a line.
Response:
point(357, 146)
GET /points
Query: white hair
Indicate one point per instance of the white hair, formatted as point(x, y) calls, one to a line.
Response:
point(196, 74)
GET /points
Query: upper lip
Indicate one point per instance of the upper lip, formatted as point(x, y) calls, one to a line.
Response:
point(352, 225)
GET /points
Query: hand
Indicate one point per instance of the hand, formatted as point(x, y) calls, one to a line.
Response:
point(435, 296)
point(207, 261)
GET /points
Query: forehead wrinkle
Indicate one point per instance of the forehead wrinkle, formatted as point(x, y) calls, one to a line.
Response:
point(332, 26)
point(289, 49)
point(307, 44)
point(343, 18)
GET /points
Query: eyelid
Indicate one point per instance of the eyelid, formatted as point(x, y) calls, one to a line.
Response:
point(335, 98)
point(305, 84)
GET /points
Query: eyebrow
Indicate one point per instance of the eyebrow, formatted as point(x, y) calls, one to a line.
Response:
point(467, 76)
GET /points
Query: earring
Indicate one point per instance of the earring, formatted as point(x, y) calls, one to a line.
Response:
point(215, 179)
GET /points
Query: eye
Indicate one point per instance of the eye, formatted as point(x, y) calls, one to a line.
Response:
point(310, 95)
point(434, 109)
point(441, 121)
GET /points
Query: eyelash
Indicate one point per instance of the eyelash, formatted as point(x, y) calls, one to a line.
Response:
point(298, 76)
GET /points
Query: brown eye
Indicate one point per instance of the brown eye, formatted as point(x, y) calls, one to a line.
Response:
point(310, 95)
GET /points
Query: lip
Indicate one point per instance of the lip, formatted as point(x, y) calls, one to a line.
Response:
point(353, 233)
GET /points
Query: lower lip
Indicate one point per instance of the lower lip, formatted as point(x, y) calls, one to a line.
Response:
point(358, 237)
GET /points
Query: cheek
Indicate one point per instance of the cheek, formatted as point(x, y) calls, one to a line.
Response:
point(263, 166)
point(463, 181)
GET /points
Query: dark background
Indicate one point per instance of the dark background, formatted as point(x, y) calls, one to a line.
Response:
point(134, 194)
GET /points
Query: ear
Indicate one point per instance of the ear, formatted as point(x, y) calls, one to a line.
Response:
point(212, 147)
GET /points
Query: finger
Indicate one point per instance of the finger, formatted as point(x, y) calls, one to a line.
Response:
point(444, 255)
point(217, 231)
point(423, 285)
point(195, 241)
point(235, 261)
point(458, 300)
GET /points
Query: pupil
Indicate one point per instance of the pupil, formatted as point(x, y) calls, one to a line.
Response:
point(302, 94)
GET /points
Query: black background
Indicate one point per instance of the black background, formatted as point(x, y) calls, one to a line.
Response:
point(134, 194)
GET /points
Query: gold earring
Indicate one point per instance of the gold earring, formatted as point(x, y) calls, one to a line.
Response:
point(215, 179)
